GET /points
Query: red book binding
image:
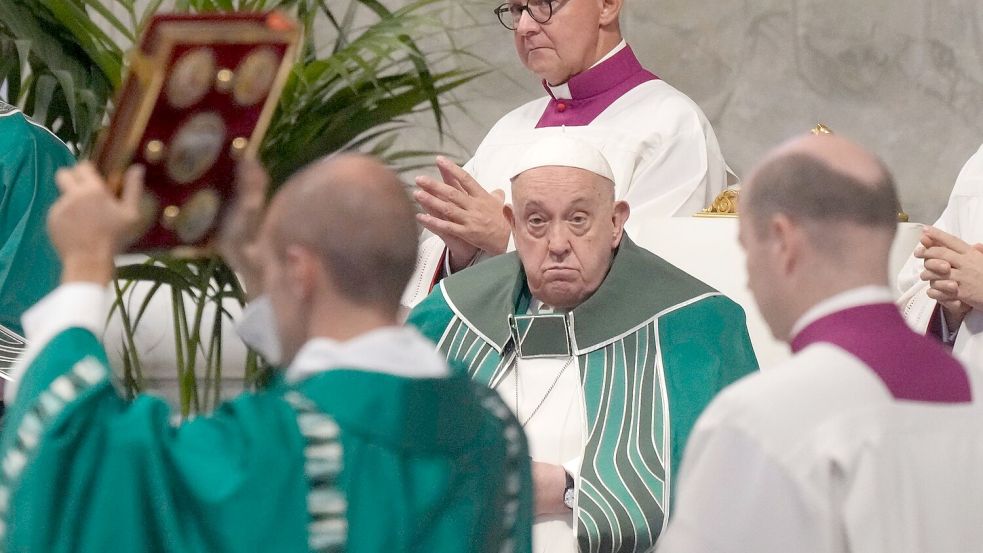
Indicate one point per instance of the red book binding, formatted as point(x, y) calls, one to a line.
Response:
point(200, 93)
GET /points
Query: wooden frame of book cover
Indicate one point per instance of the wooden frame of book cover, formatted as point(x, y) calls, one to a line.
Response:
point(200, 93)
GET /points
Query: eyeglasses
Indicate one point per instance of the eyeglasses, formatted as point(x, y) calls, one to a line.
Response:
point(510, 14)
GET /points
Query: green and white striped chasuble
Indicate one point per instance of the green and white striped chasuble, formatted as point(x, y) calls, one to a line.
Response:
point(654, 345)
point(342, 461)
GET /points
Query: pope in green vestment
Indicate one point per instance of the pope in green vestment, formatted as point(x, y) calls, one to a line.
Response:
point(652, 344)
point(29, 157)
point(367, 442)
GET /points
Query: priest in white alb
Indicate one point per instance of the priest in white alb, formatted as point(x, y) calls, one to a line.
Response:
point(660, 145)
point(869, 439)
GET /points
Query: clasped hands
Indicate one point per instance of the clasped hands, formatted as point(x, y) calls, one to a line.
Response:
point(954, 271)
point(464, 215)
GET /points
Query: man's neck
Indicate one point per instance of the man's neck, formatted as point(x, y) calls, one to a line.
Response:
point(606, 48)
point(344, 324)
point(804, 311)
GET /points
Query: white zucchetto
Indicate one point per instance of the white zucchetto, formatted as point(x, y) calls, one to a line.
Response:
point(557, 149)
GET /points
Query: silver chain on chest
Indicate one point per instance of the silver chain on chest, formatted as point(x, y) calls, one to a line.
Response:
point(515, 375)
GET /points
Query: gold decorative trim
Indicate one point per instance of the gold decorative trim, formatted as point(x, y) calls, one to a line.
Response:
point(724, 205)
point(821, 129)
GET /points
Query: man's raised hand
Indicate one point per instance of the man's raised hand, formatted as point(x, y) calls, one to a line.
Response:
point(89, 225)
point(459, 211)
point(240, 229)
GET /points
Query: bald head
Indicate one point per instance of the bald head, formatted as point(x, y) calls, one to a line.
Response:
point(818, 217)
point(822, 179)
point(354, 214)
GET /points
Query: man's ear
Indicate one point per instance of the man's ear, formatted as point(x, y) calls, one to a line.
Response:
point(509, 216)
point(787, 240)
point(618, 218)
point(303, 271)
point(610, 11)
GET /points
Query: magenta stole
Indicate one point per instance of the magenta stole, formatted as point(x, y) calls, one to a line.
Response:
point(594, 90)
point(911, 366)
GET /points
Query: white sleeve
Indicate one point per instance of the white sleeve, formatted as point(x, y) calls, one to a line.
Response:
point(683, 176)
point(74, 305)
point(916, 307)
point(732, 497)
point(428, 267)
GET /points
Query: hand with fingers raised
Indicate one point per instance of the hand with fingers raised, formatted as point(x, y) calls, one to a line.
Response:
point(89, 225)
point(954, 271)
point(464, 215)
point(240, 229)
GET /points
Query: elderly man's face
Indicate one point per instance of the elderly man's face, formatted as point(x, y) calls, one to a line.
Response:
point(566, 226)
point(565, 45)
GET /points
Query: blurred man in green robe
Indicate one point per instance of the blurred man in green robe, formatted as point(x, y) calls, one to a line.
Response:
point(29, 157)
point(367, 443)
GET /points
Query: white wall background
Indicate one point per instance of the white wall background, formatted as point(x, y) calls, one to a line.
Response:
point(904, 77)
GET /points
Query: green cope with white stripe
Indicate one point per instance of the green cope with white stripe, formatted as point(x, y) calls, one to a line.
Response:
point(653, 346)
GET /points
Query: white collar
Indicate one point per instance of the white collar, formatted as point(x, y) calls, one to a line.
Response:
point(394, 350)
point(562, 91)
point(864, 295)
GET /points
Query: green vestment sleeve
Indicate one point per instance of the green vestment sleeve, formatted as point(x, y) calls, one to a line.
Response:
point(29, 158)
point(83, 470)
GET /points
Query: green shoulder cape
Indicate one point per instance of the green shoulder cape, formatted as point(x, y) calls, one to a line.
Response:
point(654, 346)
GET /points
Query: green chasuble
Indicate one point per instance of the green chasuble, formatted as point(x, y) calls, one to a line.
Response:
point(344, 460)
point(29, 268)
point(654, 345)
